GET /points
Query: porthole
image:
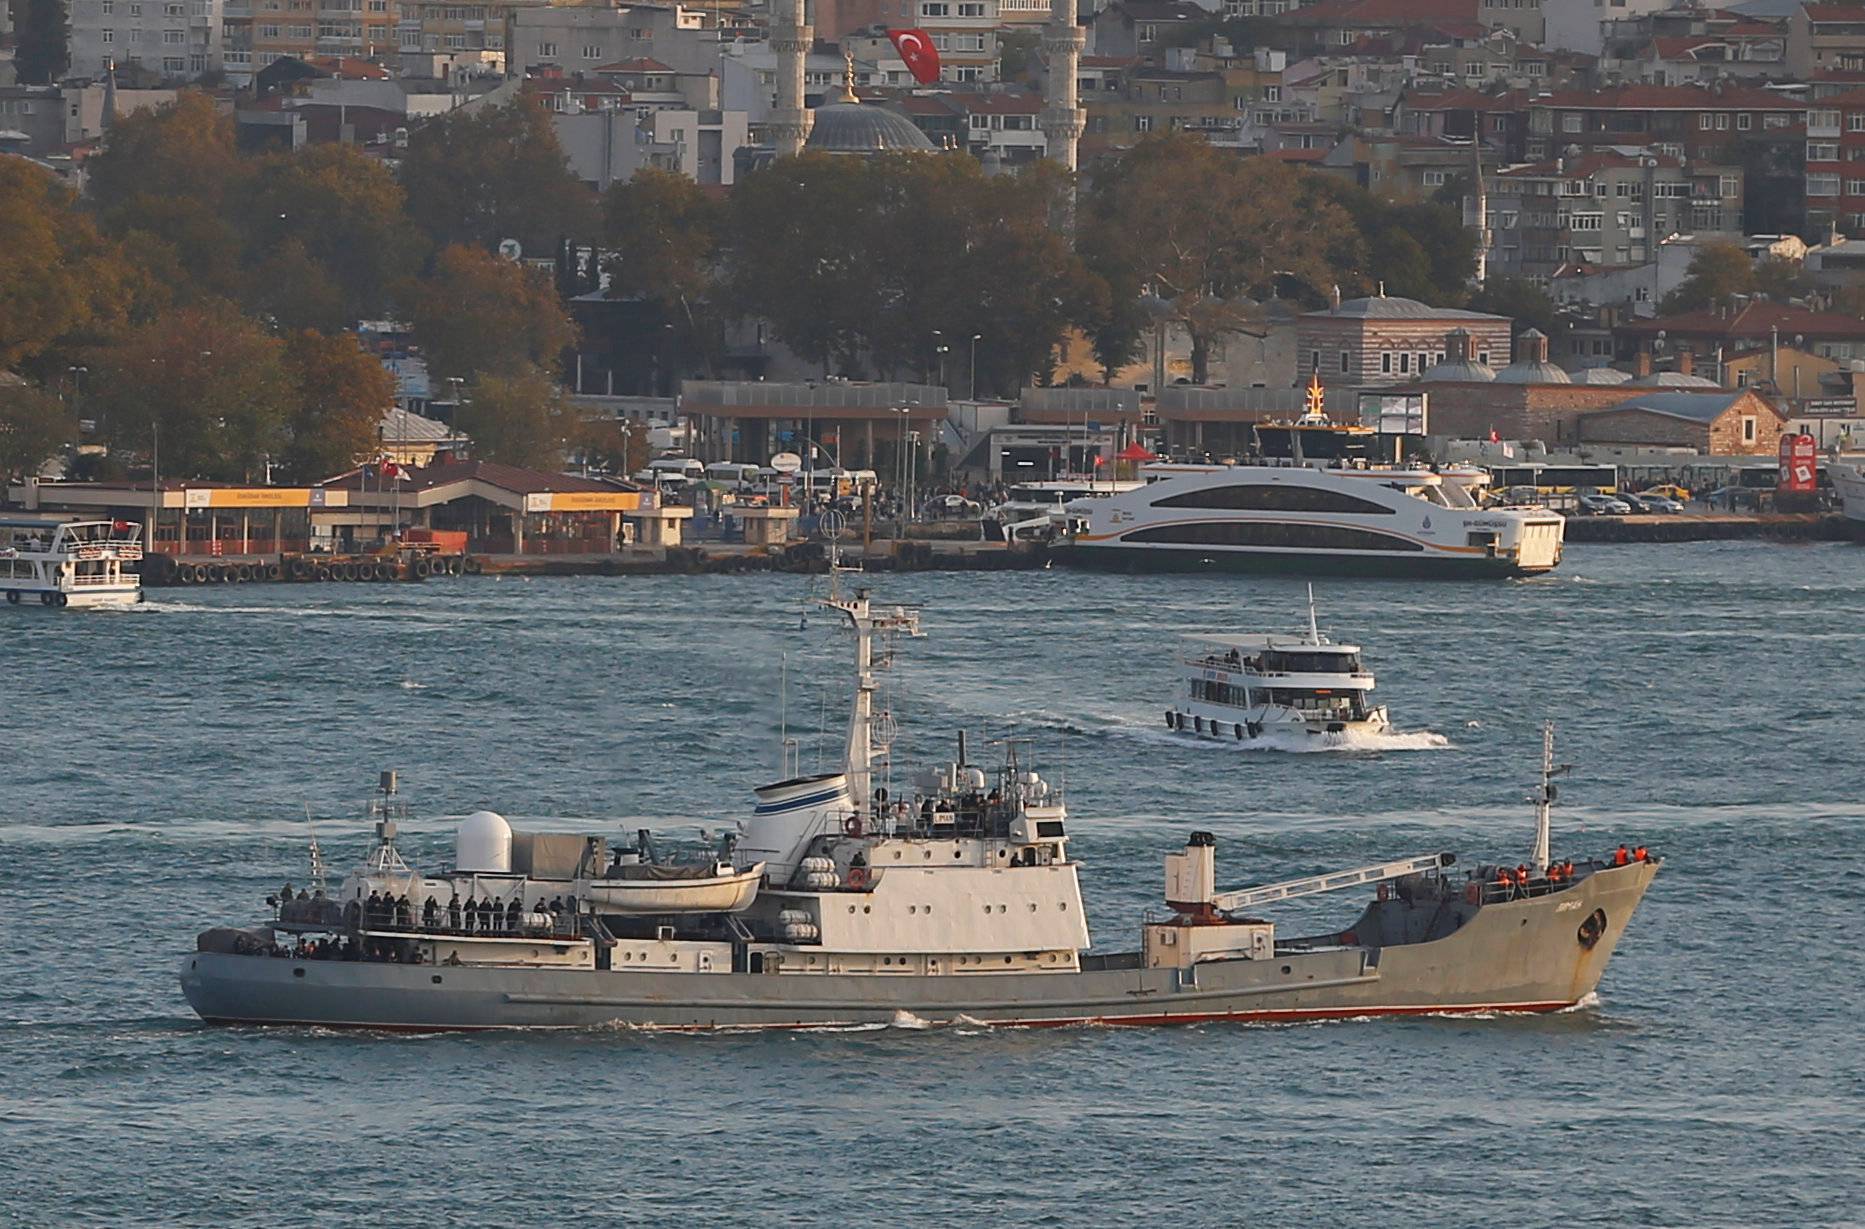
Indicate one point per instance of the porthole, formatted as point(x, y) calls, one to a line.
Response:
point(913, 908)
point(1032, 906)
point(896, 855)
point(1287, 969)
point(1001, 908)
point(851, 908)
point(987, 908)
point(1003, 853)
point(437, 979)
point(867, 908)
point(297, 972)
point(957, 853)
point(929, 855)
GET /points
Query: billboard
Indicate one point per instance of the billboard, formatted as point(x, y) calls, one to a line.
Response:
point(1799, 464)
point(1394, 413)
point(583, 501)
point(264, 497)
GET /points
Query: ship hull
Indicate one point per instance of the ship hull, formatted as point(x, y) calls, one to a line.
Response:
point(1291, 563)
point(1521, 956)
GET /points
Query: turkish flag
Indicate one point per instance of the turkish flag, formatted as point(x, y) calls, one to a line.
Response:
point(919, 54)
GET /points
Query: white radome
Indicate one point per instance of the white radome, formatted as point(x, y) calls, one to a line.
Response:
point(483, 845)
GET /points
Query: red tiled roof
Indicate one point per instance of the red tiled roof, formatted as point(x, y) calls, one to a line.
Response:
point(1463, 100)
point(999, 102)
point(1756, 320)
point(635, 66)
point(1834, 12)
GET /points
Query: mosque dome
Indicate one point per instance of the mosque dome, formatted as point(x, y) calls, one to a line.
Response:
point(1533, 367)
point(1467, 371)
point(850, 126)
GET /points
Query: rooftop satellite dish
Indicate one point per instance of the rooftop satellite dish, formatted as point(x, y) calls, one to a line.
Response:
point(510, 250)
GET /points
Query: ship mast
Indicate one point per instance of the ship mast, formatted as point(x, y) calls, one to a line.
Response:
point(858, 758)
point(1545, 797)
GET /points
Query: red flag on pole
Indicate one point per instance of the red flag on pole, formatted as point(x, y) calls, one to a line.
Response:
point(918, 53)
point(1494, 436)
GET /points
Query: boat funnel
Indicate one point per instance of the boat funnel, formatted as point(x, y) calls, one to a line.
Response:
point(791, 814)
point(1191, 876)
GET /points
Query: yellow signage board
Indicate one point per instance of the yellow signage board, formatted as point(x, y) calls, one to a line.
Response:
point(583, 501)
point(265, 497)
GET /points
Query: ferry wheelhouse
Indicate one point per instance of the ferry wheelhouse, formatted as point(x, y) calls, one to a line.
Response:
point(70, 563)
point(1255, 686)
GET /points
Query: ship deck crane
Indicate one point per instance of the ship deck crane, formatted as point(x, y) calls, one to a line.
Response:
point(1314, 885)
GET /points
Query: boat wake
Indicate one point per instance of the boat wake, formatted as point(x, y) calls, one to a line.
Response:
point(1094, 725)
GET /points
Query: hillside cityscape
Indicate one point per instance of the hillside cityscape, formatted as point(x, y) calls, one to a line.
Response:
point(284, 242)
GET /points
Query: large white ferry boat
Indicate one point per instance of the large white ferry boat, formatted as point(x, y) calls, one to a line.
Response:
point(1848, 480)
point(1313, 502)
point(1256, 686)
point(69, 563)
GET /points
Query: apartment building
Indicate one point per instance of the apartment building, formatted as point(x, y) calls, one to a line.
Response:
point(1825, 36)
point(177, 39)
point(1835, 163)
point(1684, 122)
point(1604, 208)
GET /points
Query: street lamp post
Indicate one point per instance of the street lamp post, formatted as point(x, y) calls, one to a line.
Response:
point(973, 389)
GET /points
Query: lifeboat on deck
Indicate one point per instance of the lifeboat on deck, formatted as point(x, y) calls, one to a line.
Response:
point(652, 888)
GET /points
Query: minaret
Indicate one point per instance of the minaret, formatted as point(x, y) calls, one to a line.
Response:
point(1476, 210)
point(1063, 120)
point(791, 40)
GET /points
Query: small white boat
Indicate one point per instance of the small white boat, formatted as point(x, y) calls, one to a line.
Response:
point(1849, 482)
point(652, 888)
point(69, 563)
point(1241, 688)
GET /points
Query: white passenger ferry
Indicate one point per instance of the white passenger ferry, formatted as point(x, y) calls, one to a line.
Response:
point(1313, 501)
point(1041, 511)
point(69, 563)
point(1256, 686)
point(1849, 481)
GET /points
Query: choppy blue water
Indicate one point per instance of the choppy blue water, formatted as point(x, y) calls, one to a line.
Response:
point(159, 764)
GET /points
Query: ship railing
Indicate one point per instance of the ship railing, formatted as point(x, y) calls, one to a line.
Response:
point(561, 925)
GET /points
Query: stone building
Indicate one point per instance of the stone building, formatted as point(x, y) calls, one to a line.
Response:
point(1741, 423)
point(1381, 340)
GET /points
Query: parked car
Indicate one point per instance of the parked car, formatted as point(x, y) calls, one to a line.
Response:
point(1602, 505)
point(1670, 490)
point(1631, 501)
point(1658, 503)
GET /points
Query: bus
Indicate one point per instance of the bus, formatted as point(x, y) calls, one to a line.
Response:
point(1556, 479)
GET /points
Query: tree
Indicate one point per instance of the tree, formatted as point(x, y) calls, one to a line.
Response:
point(184, 149)
point(57, 275)
point(292, 290)
point(33, 426)
point(341, 393)
point(480, 313)
point(1523, 302)
point(873, 263)
point(1419, 251)
point(664, 232)
point(610, 445)
point(788, 234)
point(522, 418)
point(43, 52)
point(487, 174)
point(343, 210)
point(1019, 55)
point(1717, 273)
point(210, 381)
point(1207, 230)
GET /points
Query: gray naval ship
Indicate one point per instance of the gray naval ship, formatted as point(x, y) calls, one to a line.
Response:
point(836, 904)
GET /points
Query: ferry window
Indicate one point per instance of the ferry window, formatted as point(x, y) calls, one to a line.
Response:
point(1274, 498)
point(1272, 534)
